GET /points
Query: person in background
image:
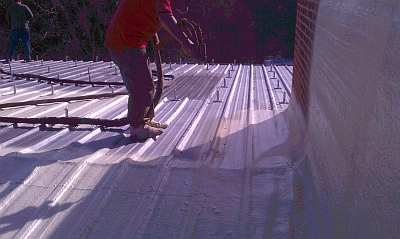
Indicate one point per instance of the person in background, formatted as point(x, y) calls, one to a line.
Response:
point(134, 23)
point(19, 15)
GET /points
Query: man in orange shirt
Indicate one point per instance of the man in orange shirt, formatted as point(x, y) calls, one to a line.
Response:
point(134, 23)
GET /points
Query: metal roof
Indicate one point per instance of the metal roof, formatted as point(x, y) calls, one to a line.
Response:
point(218, 171)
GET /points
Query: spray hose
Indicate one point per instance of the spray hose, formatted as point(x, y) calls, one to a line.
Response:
point(160, 76)
point(193, 29)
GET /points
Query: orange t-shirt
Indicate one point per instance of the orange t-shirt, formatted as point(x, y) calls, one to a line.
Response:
point(134, 23)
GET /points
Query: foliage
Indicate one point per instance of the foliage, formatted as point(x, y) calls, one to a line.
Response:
point(67, 27)
point(246, 30)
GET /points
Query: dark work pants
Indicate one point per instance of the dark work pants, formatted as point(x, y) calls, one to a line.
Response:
point(22, 34)
point(135, 71)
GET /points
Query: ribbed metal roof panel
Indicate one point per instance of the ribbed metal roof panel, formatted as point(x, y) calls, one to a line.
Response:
point(219, 170)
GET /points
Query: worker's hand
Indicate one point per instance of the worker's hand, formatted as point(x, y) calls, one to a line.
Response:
point(170, 24)
point(160, 44)
point(189, 48)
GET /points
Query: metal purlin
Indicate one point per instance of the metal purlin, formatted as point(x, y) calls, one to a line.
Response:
point(72, 121)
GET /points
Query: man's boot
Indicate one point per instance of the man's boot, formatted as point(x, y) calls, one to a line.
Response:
point(143, 132)
point(156, 124)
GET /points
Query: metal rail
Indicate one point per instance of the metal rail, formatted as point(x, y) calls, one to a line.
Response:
point(65, 99)
point(72, 121)
point(61, 81)
point(69, 81)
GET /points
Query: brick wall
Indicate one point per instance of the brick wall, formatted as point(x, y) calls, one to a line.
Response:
point(304, 39)
point(347, 83)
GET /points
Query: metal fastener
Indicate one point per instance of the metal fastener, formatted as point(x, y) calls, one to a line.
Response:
point(58, 77)
point(278, 87)
point(284, 97)
point(229, 74)
point(218, 100)
point(224, 86)
point(175, 97)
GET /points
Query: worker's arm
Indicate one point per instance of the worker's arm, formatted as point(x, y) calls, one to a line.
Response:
point(29, 14)
point(171, 25)
point(156, 41)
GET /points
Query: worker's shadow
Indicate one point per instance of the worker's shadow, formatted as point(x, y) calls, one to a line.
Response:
point(16, 167)
point(16, 170)
point(17, 220)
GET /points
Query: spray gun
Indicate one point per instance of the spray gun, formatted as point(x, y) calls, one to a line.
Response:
point(191, 28)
